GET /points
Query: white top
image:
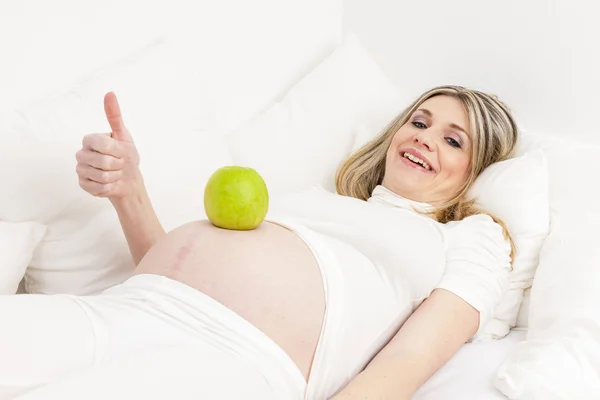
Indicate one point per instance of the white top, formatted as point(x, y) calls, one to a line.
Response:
point(379, 260)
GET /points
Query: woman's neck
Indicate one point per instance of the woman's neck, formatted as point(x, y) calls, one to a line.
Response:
point(383, 195)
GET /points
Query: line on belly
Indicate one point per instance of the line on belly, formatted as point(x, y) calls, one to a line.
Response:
point(185, 250)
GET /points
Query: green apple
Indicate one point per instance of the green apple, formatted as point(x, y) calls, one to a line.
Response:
point(236, 198)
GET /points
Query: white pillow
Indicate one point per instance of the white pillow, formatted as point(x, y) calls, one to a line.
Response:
point(561, 357)
point(516, 191)
point(562, 182)
point(523, 316)
point(17, 243)
point(31, 170)
point(300, 141)
point(263, 49)
point(85, 250)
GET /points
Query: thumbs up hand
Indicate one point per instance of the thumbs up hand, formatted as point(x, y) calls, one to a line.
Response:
point(108, 164)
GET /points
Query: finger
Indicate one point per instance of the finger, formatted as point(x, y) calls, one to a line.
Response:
point(115, 118)
point(113, 112)
point(96, 175)
point(95, 188)
point(102, 144)
point(99, 161)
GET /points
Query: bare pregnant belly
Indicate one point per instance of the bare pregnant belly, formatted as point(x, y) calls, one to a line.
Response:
point(268, 276)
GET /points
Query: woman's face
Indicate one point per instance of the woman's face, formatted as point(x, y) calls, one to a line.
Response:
point(429, 157)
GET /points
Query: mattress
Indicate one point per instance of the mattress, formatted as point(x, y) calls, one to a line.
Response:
point(469, 374)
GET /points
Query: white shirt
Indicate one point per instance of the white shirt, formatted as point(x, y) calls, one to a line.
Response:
point(379, 260)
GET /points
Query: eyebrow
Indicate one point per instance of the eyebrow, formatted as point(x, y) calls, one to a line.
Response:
point(453, 125)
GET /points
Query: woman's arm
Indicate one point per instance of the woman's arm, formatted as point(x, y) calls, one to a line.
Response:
point(478, 260)
point(139, 221)
point(430, 337)
point(108, 166)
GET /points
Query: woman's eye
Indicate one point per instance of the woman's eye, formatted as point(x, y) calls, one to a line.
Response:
point(453, 142)
point(419, 125)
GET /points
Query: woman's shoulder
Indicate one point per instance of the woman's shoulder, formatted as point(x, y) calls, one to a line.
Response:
point(479, 221)
point(478, 231)
point(478, 263)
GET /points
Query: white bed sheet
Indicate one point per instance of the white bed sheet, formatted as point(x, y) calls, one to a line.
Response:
point(469, 374)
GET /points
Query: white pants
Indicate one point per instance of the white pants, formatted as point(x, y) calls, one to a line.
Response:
point(150, 338)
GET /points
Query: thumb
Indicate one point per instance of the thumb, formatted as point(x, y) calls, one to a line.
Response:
point(115, 119)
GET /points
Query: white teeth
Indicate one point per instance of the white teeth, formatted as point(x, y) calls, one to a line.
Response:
point(417, 160)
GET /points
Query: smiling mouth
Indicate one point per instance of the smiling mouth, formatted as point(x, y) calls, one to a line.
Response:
point(417, 161)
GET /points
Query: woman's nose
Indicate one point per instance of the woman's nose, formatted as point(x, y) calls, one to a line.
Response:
point(424, 139)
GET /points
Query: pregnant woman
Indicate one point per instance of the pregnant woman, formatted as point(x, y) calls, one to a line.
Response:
point(362, 294)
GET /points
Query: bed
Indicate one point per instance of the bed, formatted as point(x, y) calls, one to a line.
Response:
point(469, 375)
point(322, 91)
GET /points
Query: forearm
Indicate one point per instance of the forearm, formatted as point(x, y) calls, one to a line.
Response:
point(139, 221)
point(430, 337)
point(383, 380)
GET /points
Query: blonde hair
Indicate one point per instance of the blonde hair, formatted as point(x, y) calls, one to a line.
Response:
point(494, 134)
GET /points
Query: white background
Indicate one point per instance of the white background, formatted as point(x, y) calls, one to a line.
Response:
point(541, 56)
